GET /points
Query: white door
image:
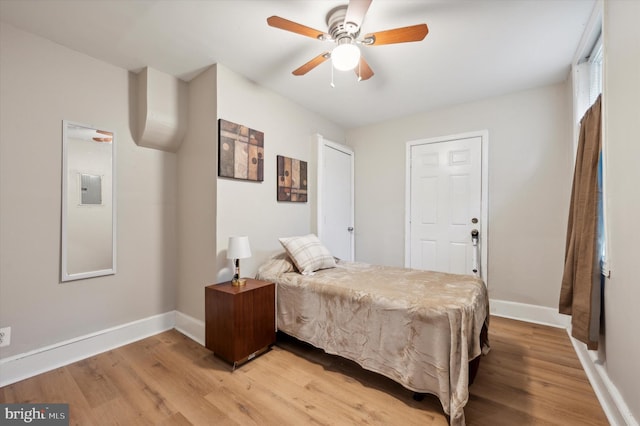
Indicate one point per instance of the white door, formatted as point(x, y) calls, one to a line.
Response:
point(335, 206)
point(445, 196)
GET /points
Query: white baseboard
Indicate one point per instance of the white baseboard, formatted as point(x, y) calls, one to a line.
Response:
point(29, 364)
point(190, 327)
point(529, 313)
point(614, 407)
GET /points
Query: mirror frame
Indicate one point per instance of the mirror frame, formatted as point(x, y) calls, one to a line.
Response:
point(64, 259)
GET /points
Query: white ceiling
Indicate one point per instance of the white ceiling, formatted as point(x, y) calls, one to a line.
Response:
point(475, 48)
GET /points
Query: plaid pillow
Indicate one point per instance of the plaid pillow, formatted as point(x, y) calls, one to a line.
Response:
point(308, 253)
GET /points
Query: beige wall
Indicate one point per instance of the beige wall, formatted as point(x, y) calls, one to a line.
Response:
point(622, 129)
point(529, 186)
point(43, 83)
point(197, 165)
point(250, 208)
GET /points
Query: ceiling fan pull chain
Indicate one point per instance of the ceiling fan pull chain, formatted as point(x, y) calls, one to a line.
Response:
point(332, 85)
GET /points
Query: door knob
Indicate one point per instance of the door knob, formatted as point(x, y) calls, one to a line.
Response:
point(350, 229)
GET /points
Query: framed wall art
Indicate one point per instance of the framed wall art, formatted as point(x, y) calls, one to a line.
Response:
point(240, 152)
point(292, 179)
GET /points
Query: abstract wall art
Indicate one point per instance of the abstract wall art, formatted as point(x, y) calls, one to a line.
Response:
point(292, 179)
point(240, 152)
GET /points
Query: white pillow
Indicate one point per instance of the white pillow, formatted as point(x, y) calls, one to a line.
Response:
point(308, 253)
point(278, 264)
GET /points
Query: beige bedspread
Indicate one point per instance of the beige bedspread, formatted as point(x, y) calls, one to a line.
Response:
point(418, 328)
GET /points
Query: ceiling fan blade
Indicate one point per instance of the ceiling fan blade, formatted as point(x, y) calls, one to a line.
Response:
point(398, 35)
point(294, 27)
point(108, 136)
point(363, 70)
point(312, 64)
point(356, 11)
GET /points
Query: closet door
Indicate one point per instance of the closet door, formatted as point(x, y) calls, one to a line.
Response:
point(336, 201)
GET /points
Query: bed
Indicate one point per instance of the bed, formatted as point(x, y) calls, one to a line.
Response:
point(419, 328)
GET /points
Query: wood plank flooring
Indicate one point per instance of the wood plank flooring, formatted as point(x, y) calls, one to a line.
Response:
point(531, 376)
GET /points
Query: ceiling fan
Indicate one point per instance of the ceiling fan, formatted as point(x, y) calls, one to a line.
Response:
point(344, 25)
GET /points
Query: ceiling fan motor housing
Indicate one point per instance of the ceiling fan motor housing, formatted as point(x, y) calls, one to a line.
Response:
point(342, 32)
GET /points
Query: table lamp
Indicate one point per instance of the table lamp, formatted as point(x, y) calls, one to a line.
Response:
point(238, 249)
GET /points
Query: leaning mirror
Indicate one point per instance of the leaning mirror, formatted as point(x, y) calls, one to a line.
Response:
point(88, 202)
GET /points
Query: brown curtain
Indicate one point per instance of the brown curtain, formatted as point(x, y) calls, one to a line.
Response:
point(580, 292)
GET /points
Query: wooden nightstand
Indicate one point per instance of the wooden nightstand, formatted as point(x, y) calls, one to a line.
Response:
point(240, 321)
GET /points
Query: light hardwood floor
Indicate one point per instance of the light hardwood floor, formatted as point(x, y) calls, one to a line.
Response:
point(530, 376)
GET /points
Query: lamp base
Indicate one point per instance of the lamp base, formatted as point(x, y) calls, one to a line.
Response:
point(238, 282)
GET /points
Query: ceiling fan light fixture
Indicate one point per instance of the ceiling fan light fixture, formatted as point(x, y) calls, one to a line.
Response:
point(345, 57)
point(344, 25)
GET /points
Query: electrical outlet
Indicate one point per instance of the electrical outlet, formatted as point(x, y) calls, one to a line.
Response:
point(5, 336)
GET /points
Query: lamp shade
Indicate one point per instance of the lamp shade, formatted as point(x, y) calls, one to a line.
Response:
point(345, 57)
point(238, 248)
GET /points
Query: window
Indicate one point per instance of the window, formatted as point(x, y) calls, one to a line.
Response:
point(595, 70)
point(588, 80)
point(595, 61)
